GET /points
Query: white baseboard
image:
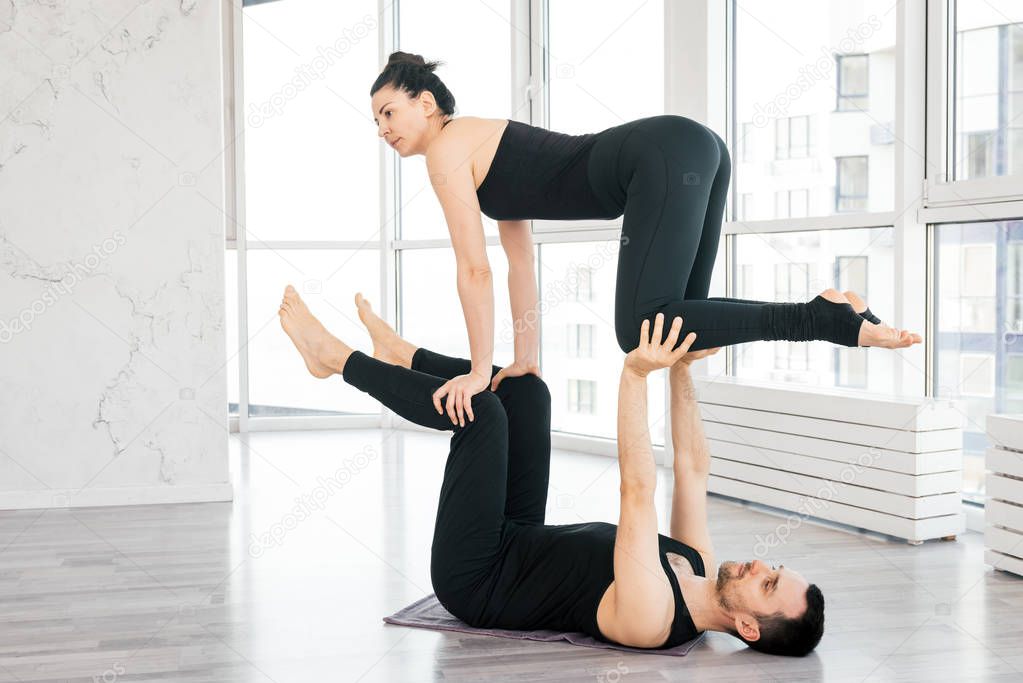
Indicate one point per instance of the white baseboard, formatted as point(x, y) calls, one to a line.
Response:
point(124, 495)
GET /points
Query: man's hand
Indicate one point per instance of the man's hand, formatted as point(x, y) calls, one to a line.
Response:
point(651, 354)
point(460, 391)
point(687, 360)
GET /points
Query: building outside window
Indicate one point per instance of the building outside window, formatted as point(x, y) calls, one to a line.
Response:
point(853, 82)
point(851, 183)
point(792, 137)
point(582, 396)
point(580, 340)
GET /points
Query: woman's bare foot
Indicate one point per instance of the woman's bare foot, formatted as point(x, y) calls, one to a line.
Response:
point(858, 304)
point(387, 345)
point(323, 353)
point(871, 334)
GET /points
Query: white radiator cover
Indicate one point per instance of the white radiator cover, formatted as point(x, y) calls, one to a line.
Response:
point(1003, 509)
point(886, 464)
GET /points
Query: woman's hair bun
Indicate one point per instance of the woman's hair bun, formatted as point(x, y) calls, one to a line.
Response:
point(413, 59)
point(413, 74)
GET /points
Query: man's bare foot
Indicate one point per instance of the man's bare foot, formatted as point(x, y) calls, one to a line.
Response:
point(323, 353)
point(387, 345)
point(870, 334)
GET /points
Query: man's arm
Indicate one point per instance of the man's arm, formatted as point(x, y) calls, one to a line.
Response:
point(642, 608)
point(691, 467)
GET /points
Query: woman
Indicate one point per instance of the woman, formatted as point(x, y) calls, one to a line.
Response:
point(667, 174)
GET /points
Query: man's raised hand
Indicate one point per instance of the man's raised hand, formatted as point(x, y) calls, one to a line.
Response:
point(651, 354)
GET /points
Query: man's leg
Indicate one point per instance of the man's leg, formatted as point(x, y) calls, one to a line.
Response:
point(468, 533)
point(527, 404)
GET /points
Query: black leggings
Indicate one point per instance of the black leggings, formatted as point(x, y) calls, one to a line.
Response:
point(498, 467)
point(669, 175)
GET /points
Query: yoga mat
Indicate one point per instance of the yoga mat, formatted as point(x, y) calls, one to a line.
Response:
point(429, 613)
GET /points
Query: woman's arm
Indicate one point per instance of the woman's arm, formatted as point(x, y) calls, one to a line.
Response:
point(517, 241)
point(451, 177)
point(448, 163)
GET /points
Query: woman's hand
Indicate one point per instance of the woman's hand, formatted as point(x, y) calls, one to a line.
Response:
point(651, 354)
point(460, 391)
point(516, 369)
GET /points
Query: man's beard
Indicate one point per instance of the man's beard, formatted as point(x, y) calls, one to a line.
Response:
point(724, 580)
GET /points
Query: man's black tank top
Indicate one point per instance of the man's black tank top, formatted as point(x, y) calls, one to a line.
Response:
point(553, 577)
point(541, 174)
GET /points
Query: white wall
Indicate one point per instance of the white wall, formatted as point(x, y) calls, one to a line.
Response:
point(112, 345)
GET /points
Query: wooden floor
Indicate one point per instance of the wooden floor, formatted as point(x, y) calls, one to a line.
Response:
point(270, 588)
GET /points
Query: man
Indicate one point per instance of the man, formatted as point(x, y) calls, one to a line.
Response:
point(496, 564)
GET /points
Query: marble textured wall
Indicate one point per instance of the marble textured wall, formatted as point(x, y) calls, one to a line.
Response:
point(112, 343)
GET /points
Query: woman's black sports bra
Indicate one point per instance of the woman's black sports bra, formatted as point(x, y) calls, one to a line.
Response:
point(540, 174)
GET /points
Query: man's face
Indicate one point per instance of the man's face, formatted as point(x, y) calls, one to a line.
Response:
point(756, 588)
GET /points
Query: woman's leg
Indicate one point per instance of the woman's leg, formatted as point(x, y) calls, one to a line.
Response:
point(698, 285)
point(667, 167)
point(866, 313)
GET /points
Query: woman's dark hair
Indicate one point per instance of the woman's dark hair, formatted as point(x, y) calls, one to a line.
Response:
point(780, 635)
point(413, 74)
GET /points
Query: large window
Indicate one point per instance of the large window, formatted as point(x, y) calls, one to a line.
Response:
point(564, 268)
point(279, 383)
point(794, 61)
point(606, 63)
point(311, 162)
point(312, 207)
point(988, 89)
point(812, 130)
point(978, 348)
point(457, 33)
point(431, 312)
point(797, 266)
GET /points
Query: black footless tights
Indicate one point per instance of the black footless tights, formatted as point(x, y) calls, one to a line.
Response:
point(669, 176)
point(498, 467)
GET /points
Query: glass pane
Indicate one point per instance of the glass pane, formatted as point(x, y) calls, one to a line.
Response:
point(979, 335)
point(231, 328)
point(311, 154)
point(797, 266)
point(606, 63)
point(988, 89)
point(572, 377)
point(279, 383)
point(431, 316)
point(787, 84)
point(481, 86)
